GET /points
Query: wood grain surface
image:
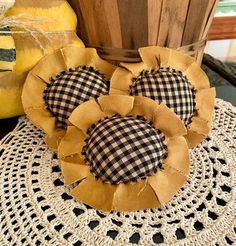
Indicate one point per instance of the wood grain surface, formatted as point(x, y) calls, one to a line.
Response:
point(173, 17)
point(195, 20)
point(130, 24)
point(134, 23)
point(223, 28)
point(154, 19)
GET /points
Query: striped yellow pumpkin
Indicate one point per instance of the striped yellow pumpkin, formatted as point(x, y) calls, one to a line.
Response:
point(7, 51)
point(59, 16)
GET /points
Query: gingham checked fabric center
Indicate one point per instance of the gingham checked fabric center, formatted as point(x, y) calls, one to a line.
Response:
point(169, 86)
point(71, 88)
point(123, 149)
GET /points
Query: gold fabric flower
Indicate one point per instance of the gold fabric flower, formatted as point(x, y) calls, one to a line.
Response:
point(59, 83)
point(110, 136)
point(168, 76)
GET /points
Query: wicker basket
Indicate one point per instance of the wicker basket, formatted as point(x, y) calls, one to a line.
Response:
point(118, 27)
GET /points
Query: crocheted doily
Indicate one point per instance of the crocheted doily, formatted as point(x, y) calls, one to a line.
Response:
point(36, 208)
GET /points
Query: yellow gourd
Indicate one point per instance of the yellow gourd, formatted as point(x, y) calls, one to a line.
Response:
point(58, 22)
point(59, 12)
point(7, 51)
point(7, 44)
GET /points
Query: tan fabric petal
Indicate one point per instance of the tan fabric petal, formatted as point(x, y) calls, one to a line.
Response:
point(134, 68)
point(155, 56)
point(42, 119)
point(205, 101)
point(54, 139)
point(168, 122)
point(135, 196)
point(35, 108)
point(121, 80)
point(197, 131)
point(166, 183)
point(95, 193)
point(144, 106)
point(179, 60)
point(119, 92)
point(72, 143)
point(32, 95)
point(116, 104)
point(197, 77)
point(86, 114)
point(75, 57)
point(73, 172)
point(199, 125)
point(49, 66)
point(103, 66)
point(178, 155)
point(194, 138)
point(75, 158)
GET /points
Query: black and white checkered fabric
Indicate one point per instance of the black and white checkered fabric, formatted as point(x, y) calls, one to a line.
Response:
point(169, 86)
point(71, 88)
point(123, 149)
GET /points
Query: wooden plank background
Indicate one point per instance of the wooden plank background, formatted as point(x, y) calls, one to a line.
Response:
point(223, 28)
point(130, 24)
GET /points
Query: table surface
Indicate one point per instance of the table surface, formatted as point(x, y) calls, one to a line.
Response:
point(7, 125)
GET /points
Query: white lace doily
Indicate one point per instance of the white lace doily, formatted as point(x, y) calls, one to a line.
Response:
point(36, 208)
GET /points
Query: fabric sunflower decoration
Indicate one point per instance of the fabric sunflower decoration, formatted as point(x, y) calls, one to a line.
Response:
point(119, 153)
point(168, 76)
point(59, 83)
